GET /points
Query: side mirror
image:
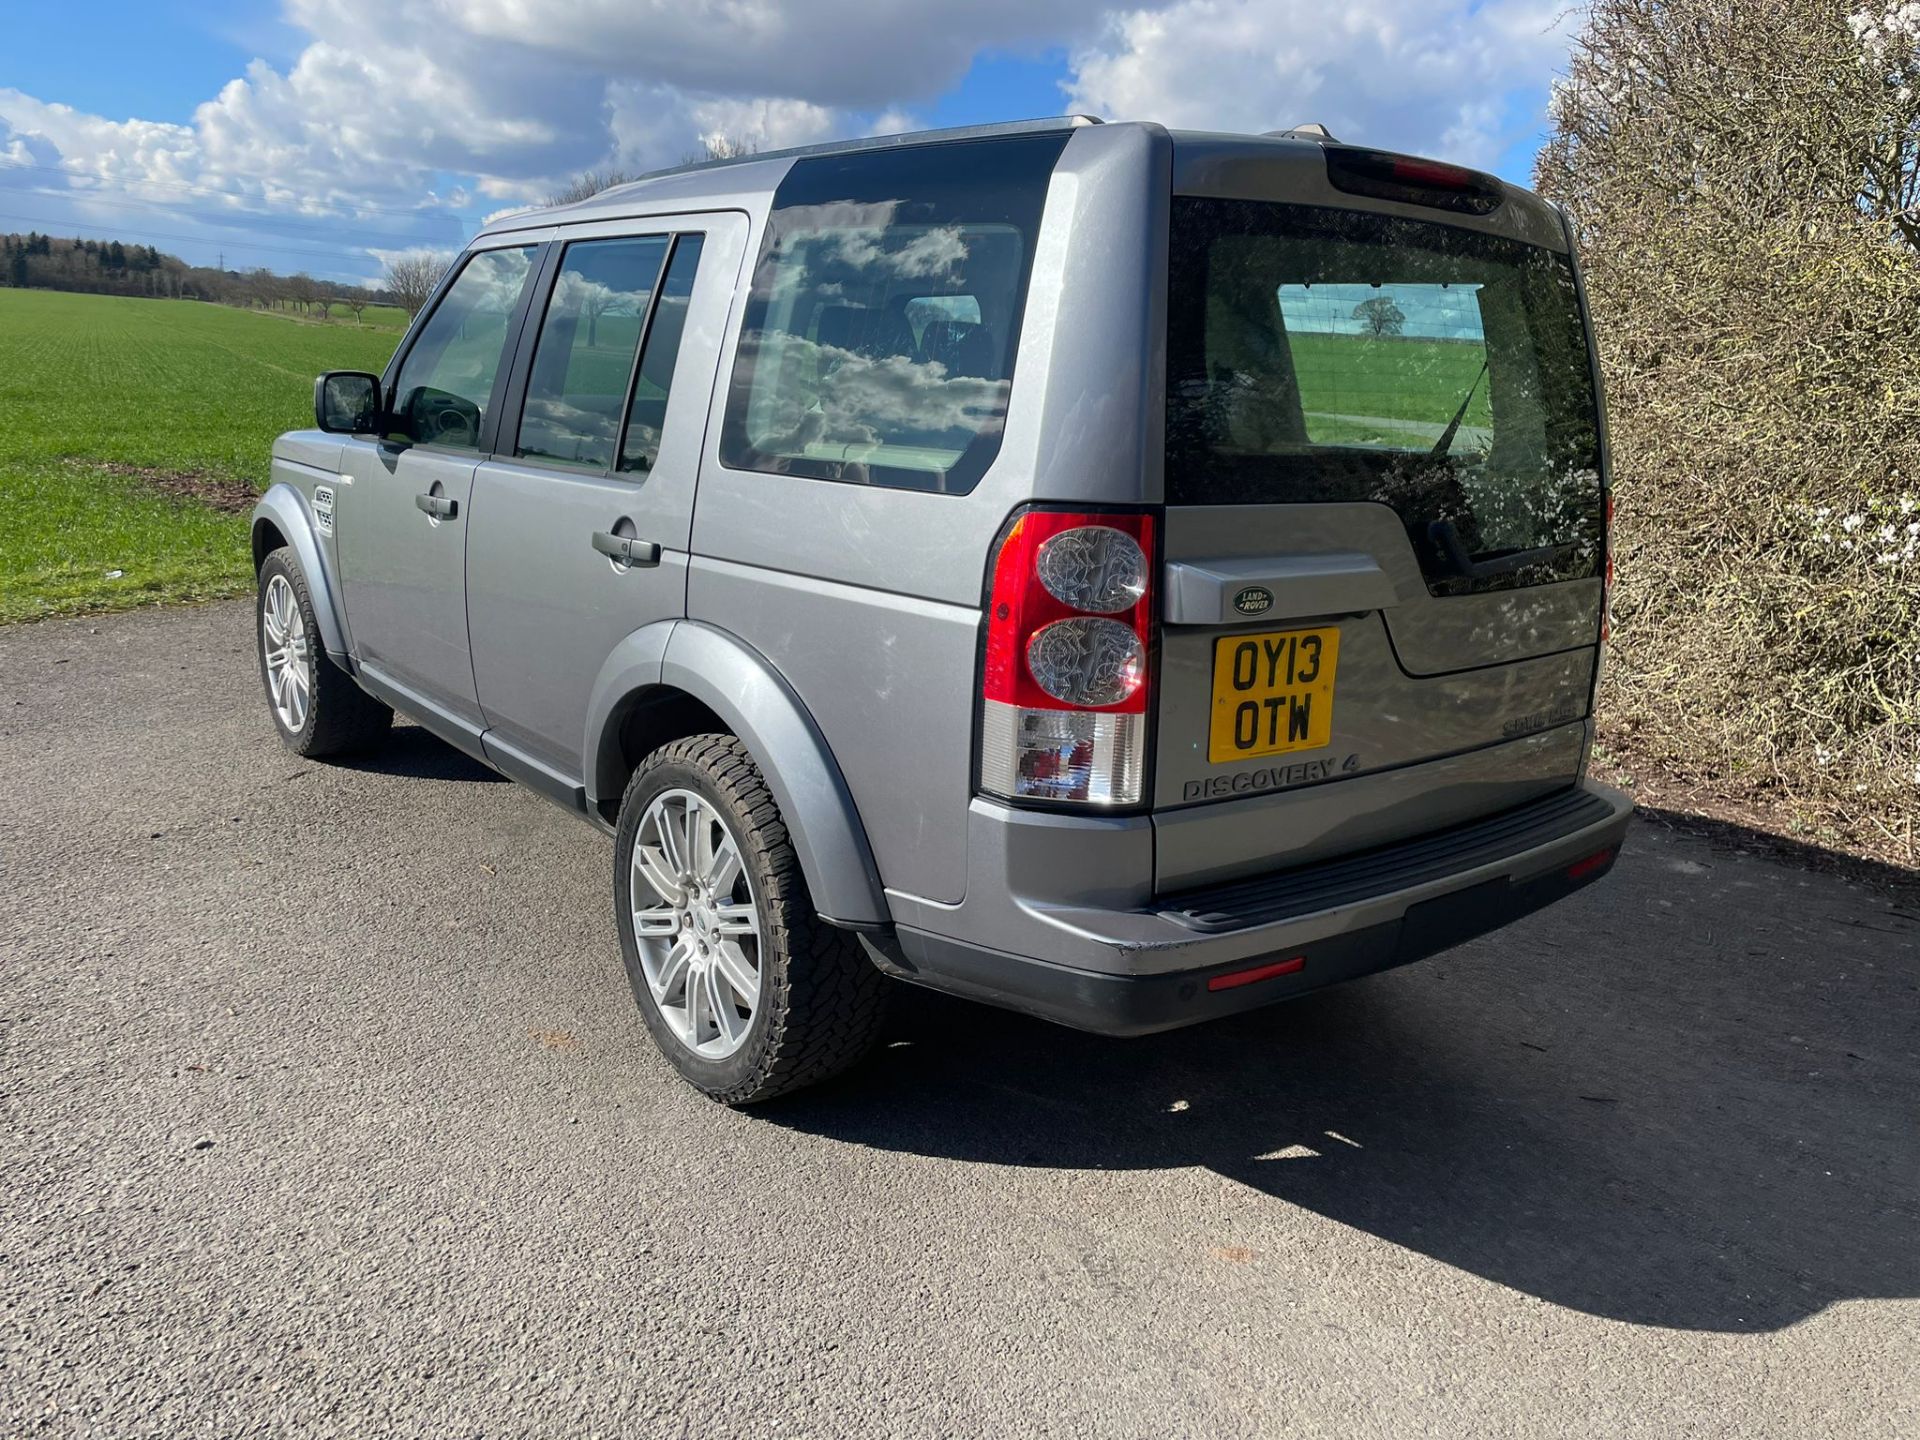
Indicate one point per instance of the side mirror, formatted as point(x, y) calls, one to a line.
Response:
point(347, 402)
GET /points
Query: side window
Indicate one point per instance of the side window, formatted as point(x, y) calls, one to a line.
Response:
point(577, 387)
point(641, 445)
point(446, 381)
point(880, 333)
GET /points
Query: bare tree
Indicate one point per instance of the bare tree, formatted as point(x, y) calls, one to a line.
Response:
point(356, 301)
point(410, 278)
point(720, 146)
point(301, 289)
point(324, 301)
point(588, 184)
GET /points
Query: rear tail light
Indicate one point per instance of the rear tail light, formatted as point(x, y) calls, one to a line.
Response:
point(1065, 682)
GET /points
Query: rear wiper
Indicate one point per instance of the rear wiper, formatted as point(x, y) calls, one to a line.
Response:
point(1454, 551)
point(1445, 443)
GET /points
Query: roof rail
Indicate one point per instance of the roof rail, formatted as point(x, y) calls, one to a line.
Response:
point(870, 142)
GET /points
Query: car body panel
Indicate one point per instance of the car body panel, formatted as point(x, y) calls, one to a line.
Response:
point(889, 682)
point(404, 573)
point(802, 772)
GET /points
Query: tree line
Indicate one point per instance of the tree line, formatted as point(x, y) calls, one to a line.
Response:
point(105, 266)
point(34, 261)
point(111, 267)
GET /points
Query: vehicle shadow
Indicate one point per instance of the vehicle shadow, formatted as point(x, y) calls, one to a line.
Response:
point(412, 752)
point(1688, 1098)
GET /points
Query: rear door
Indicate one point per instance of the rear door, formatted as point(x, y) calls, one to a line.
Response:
point(1384, 535)
point(582, 518)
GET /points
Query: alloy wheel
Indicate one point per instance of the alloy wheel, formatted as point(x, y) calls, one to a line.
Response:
point(695, 924)
point(289, 657)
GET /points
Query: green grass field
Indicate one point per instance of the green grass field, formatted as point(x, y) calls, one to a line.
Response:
point(94, 388)
point(1412, 384)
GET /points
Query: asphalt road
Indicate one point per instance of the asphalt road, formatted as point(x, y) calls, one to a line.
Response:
point(328, 1112)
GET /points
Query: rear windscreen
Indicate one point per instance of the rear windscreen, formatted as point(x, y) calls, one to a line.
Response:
point(1338, 355)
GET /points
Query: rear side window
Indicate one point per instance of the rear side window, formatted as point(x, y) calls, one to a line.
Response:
point(641, 447)
point(577, 388)
point(880, 332)
point(604, 361)
point(1339, 355)
point(446, 382)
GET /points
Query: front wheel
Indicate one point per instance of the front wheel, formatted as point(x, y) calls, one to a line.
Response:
point(745, 990)
point(316, 706)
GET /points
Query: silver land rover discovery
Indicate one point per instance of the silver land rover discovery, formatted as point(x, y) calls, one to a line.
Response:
point(1122, 575)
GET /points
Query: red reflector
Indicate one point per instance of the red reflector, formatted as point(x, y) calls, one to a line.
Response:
point(1235, 978)
point(1580, 869)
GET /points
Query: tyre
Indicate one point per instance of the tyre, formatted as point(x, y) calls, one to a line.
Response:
point(315, 705)
point(746, 990)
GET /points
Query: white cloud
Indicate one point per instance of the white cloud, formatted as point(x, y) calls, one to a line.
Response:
point(355, 148)
point(656, 125)
point(846, 54)
point(1402, 74)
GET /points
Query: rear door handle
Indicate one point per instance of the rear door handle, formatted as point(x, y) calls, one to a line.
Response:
point(1236, 590)
point(440, 507)
point(625, 549)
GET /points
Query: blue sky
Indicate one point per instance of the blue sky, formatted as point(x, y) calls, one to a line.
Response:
point(324, 134)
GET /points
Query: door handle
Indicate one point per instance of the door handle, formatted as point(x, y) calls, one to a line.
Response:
point(626, 550)
point(440, 507)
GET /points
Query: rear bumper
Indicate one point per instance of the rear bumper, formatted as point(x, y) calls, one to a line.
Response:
point(1205, 954)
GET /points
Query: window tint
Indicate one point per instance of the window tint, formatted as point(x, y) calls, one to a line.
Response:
point(446, 381)
point(1338, 355)
point(583, 361)
point(641, 446)
point(885, 311)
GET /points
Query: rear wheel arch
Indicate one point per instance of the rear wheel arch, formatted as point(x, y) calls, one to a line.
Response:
point(638, 724)
point(679, 678)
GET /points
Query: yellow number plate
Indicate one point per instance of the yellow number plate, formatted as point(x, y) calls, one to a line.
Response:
point(1272, 693)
